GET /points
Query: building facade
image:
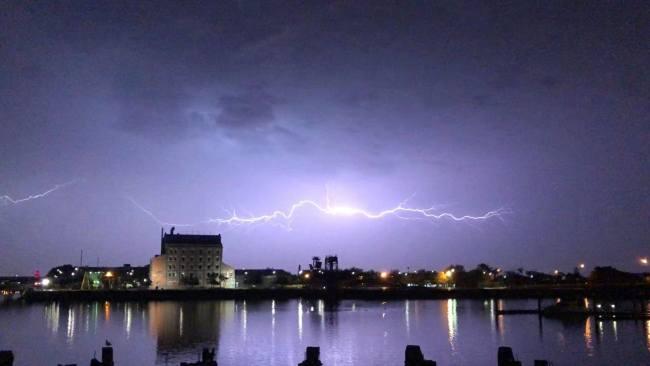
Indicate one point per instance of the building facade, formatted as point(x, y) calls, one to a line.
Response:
point(188, 260)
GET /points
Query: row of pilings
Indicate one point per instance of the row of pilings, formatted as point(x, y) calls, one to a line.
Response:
point(413, 356)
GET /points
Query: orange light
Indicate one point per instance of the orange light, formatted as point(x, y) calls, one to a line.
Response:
point(383, 275)
point(306, 275)
point(109, 274)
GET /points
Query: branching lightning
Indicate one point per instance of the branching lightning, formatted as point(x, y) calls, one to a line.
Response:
point(401, 211)
point(7, 200)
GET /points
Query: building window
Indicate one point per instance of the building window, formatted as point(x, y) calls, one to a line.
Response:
point(200, 267)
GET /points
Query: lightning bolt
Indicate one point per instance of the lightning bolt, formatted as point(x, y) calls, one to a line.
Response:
point(401, 211)
point(7, 200)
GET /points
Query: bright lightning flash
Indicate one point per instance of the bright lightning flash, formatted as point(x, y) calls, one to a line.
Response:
point(8, 200)
point(400, 211)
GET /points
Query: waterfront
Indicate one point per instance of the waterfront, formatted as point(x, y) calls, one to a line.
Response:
point(452, 332)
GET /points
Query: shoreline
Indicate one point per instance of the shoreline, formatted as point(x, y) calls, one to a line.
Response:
point(601, 292)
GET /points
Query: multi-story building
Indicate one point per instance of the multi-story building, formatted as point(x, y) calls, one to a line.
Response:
point(188, 260)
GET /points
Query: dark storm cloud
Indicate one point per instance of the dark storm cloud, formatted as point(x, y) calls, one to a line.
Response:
point(150, 104)
point(188, 105)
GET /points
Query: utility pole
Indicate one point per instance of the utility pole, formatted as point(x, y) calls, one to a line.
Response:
point(81, 259)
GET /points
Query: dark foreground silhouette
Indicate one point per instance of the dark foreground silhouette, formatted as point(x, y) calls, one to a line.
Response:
point(413, 356)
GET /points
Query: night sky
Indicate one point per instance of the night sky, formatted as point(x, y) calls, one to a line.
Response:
point(195, 109)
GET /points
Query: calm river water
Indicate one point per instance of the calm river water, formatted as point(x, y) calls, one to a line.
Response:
point(451, 332)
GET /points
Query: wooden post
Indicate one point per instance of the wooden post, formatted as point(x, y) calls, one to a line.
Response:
point(107, 356)
point(6, 358)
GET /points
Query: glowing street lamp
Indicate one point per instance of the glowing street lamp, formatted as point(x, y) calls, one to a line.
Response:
point(383, 275)
point(581, 265)
point(109, 274)
point(644, 261)
point(306, 275)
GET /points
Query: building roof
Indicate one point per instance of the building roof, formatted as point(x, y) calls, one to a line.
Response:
point(190, 239)
point(263, 272)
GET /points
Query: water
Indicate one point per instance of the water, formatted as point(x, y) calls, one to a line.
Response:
point(452, 332)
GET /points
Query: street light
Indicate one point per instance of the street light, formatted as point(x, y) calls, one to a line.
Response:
point(383, 275)
point(644, 261)
point(582, 266)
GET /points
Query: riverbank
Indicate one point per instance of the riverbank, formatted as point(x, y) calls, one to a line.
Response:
point(604, 292)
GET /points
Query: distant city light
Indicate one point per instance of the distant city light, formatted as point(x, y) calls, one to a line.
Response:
point(45, 282)
point(383, 275)
point(109, 274)
point(582, 266)
point(556, 271)
point(449, 273)
point(306, 275)
point(644, 261)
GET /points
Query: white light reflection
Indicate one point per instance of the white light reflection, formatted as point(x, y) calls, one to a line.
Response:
point(180, 321)
point(452, 323)
point(52, 317)
point(407, 318)
point(490, 306)
point(273, 353)
point(127, 322)
point(300, 311)
point(87, 319)
point(500, 320)
point(321, 314)
point(273, 319)
point(244, 319)
point(69, 334)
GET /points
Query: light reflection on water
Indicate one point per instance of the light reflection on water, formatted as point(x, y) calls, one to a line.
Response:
point(452, 332)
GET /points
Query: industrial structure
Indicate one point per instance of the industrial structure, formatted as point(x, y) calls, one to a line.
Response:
point(189, 260)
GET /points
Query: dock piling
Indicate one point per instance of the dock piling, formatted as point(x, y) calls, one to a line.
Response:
point(312, 357)
point(6, 358)
point(413, 356)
